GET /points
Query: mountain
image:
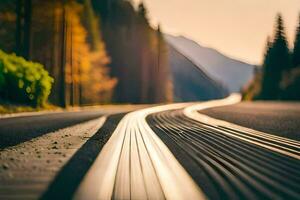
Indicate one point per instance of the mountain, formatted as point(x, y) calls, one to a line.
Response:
point(190, 82)
point(232, 73)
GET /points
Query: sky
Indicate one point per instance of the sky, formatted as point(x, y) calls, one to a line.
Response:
point(237, 28)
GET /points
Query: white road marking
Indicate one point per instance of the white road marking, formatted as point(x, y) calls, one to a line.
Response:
point(136, 164)
point(277, 144)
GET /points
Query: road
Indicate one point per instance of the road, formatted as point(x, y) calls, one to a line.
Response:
point(278, 118)
point(227, 164)
point(162, 152)
point(19, 128)
point(41, 152)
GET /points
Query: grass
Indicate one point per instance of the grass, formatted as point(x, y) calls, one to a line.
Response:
point(9, 108)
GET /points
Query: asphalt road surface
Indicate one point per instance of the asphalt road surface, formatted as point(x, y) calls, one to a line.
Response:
point(14, 130)
point(163, 152)
point(279, 118)
point(226, 167)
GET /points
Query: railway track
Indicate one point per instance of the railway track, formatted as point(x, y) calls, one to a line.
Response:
point(163, 152)
point(231, 163)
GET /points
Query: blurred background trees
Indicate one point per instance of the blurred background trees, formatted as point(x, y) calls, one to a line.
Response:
point(279, 77)
point(7, 25)
point(84, 43)
point(277, 60)
point(296, 52)
point(58, 34)
point(139, 57)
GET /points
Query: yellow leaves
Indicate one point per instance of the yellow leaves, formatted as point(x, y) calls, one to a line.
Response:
point(28, 89)
point(100, 85)
point(253, 88)
point(85, 67)
point(21, 84)
point(78, 52)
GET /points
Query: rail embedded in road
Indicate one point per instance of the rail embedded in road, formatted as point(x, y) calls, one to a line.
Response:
point(136, 164)
point(278, 144)
point(184, 151)
point(174, 152)
point(228, 161)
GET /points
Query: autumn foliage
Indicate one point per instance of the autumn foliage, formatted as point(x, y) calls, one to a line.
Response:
point(96, 51)
point(58, 34)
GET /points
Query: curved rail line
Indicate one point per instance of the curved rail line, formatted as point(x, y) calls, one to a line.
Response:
point(275, 143)
point(174, 152)
point(228, 161)
point(136, 164)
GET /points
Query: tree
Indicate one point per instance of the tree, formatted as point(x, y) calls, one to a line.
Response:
point(92, 24)
point(280, 74)
point(138, 55)
point(267, 70)
point(23, 27)
point(277, 60)
point(7, 25)
point(296, 52)
point(164, 90)
point(98, 87)
point(260, 86)
point(65, 36)
point(280, 50)
point(142, 13)
point(291, 81)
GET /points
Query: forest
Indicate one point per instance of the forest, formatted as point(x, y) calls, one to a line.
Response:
point(279, 76)
point(88, 52)
point(82, 52)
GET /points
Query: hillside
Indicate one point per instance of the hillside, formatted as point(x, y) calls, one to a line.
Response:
point(231, 73)
point(190, 83)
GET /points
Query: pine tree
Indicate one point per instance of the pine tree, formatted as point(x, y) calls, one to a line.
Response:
point(267, 54)
point(280, 48)
point(291, 79)
point(142, 12)
point(23, 27)
point(296, 52)
point(277, 61)
point(267, 72)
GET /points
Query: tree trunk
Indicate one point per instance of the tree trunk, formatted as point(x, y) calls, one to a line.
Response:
point(63, 101)
point(19, 35)
point(27, 28)
point(23, 27)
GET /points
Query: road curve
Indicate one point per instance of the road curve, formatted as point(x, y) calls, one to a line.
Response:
point(279, 118)
point(136, 164)
point(228, 161)
point(278, 144)
point(164, 152)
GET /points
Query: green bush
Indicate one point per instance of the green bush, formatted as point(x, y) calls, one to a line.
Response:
point(22, 81)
